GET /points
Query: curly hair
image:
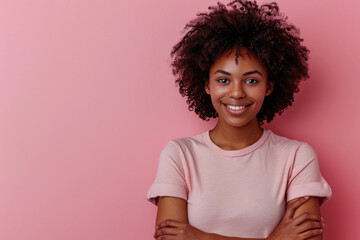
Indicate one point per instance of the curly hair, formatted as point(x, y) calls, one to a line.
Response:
point(263, 30)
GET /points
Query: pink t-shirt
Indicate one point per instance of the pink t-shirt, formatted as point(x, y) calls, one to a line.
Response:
point(239, 193)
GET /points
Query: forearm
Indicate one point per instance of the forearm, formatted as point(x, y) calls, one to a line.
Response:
point(311, 206)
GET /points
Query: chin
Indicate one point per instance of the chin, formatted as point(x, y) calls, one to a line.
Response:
point(239, 123)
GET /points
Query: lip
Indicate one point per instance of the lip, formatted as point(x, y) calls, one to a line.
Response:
point(237, 112)
point(236, 103)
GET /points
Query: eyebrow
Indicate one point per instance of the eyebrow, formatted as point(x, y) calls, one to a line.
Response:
point(245, 74)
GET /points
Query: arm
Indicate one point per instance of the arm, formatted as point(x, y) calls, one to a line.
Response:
point(176, 209)
point(311, 206)
point(171, 208)
point(172, 222)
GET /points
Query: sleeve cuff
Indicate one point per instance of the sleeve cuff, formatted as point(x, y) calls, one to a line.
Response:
point(316, 189)
point(165, 189)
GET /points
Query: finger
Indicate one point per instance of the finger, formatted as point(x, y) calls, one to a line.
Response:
point(170, 223)
point(306, 217)
point(166, 231)
point(309, 225)
point(290, 208)
point(310, 233)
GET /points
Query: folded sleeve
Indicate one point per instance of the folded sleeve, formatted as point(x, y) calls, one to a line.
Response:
point(170, 178)
point(305, 178)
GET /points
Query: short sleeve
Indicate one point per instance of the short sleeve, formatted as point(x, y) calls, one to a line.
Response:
point(305, 178)
point(170, 178)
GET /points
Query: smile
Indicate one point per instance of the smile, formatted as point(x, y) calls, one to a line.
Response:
point(235, 107)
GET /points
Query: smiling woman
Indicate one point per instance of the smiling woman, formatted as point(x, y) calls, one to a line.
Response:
point(238, 88)
point(242, 64)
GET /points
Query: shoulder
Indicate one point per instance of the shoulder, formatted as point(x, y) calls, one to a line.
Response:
point(185, 144)
point(298, 154)
point(286, 144)
point(180, 151)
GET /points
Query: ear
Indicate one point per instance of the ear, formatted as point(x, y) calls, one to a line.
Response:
point(207, 88)
point(270, 88)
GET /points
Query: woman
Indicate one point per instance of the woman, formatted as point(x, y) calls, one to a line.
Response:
point(242, 64)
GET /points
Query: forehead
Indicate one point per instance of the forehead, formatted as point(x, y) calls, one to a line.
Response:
point(246, 61)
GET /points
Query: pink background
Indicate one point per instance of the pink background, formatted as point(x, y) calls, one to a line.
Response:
point(87, 102)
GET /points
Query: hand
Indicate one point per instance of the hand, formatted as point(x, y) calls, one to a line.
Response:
point(302, 227)
point(175, 230)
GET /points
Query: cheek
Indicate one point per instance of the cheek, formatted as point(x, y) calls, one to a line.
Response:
point(214, 101)
point(216, 95)
point(258, 95)
point(218, 92)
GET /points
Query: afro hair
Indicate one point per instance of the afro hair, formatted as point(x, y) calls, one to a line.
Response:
point(263, 30)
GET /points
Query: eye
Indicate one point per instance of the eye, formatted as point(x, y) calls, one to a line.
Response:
point(223, 80)
point(251, 81)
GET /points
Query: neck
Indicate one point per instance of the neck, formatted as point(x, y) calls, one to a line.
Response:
point(235, 138)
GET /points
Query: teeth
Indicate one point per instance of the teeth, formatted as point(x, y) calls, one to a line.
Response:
point(235, 107)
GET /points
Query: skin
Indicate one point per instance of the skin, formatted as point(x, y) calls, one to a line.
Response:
point(237, 84)
point(301, 221)
point(242, 84)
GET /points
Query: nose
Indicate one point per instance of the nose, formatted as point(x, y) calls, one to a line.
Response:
point(237, 90)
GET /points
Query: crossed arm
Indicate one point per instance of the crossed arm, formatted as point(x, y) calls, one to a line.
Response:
point(302, 220)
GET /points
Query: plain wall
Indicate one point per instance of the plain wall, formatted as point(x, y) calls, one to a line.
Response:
point(88, 101)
